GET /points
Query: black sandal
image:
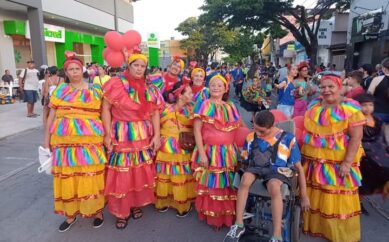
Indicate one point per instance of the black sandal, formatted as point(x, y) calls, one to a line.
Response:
point(98, 222)
point(136, 213)
point(122, 221)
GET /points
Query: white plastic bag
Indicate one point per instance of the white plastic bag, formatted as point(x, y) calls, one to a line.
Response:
point(45, 160)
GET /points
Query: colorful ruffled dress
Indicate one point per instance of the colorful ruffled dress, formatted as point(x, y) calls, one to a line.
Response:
point(216, 197)
point(175, 182)
point(78, 154)
point(201, 95)
point(130, 173)
point(335, 206)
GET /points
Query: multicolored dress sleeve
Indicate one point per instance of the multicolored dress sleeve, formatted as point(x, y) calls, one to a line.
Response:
point(202, 95)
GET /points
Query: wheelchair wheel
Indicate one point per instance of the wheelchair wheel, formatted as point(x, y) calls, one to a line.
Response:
point(295, 228)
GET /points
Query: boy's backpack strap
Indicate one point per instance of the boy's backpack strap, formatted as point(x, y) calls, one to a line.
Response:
point(275, 147)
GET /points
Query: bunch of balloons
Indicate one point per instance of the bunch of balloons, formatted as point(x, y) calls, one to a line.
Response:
point(116, 43)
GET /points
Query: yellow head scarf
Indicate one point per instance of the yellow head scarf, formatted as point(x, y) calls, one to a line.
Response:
point(134, 57)
point(179, 60)
point(218, 76)
point(197, 70)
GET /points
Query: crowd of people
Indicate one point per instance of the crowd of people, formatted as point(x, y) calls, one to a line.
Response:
point(130, 138)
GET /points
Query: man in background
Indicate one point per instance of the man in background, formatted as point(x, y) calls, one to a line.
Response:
point(28, 84)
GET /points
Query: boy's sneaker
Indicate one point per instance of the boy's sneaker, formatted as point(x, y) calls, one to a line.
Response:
point(273, 239)
point(234, 234)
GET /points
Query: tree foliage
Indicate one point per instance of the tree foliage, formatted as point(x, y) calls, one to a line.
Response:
point(268, 14)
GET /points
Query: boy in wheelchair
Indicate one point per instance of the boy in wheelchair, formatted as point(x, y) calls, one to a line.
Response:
point(268, 154)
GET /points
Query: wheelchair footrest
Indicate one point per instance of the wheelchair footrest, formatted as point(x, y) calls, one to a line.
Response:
point(247, 215)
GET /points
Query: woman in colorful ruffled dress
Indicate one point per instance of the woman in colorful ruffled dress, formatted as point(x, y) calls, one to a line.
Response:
point(74, 133)
point(331, 154)
point(131, 121)
point(215, 156)
point(200, 92)
point(175, 182)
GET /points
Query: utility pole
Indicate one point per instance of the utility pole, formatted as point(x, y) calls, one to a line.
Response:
point(115, 15)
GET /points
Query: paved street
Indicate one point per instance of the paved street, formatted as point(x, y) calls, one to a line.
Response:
point(26, 212)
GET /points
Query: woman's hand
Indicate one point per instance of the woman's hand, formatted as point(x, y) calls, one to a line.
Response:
point(344, 169)
point(203, 160)
point(305, 203)
point(108, 143)
point(155, 143)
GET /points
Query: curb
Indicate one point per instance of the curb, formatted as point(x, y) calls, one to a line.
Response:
point(20, 132)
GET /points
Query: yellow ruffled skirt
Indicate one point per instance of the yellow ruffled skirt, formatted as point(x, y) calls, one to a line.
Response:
point(334, 214)
point(78, 190)
point(175, 185)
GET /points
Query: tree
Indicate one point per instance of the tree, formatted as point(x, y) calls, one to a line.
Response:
point(265, 14)
point(204, 40)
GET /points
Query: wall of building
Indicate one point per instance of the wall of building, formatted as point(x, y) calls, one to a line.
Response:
point(360, 6)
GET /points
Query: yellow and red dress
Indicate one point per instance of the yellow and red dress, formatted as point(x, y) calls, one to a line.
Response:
point(175, 182)
point(78, 154)
point(216, 197)
point(335, 206)
point(130, 177)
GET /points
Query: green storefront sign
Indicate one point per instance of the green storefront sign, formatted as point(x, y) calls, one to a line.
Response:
point(16, 27)
point(153, 44)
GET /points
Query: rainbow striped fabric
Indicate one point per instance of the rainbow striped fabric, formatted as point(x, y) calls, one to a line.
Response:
point(334, 142)
point(225, 116)
point(326, 174)
point(78, 156)
point(131, 159)
point(132, 131)
point(152, 93)
point(67, 93)
point(202, 95)
point(173, 169)
point(77, 127)
point(326, 116)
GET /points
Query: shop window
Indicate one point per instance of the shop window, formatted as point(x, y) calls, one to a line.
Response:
point(22, 51)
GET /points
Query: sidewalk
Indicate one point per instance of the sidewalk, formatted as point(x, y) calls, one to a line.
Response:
point(13, 118)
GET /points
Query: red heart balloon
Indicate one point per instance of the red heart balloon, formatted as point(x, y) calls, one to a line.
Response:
point(131, 38)
point(106, 51)
point(278, 115)
point(114, 40)
point(240, 136)
point(115, 58)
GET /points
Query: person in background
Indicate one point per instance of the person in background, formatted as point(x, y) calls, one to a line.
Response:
point(367, 70)
point(200, 92)
point(379, 88)
point(215, 156)
point(211, 73)
point(102, 76)
point(175, 182)
point(331, 154)
point(375, 162)
point(354, 83)
point(7, 77)
point(28, 84)
point(166, 81)
point(130, 114)
point(379, 71)
point(286, 90)
point(238, 78)
point(50, 84)
point(74, 133)
point(301, 92)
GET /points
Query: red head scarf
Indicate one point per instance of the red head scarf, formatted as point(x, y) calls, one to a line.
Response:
point(334, 79)
point(71, 58)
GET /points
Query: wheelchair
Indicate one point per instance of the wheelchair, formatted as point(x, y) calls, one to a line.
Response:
point(258, 218)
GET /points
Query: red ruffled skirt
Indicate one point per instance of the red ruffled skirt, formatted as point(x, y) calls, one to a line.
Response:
point(129, 187)
point(216, 205)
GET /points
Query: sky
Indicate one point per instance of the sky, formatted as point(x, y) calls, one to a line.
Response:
point(163, 16)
